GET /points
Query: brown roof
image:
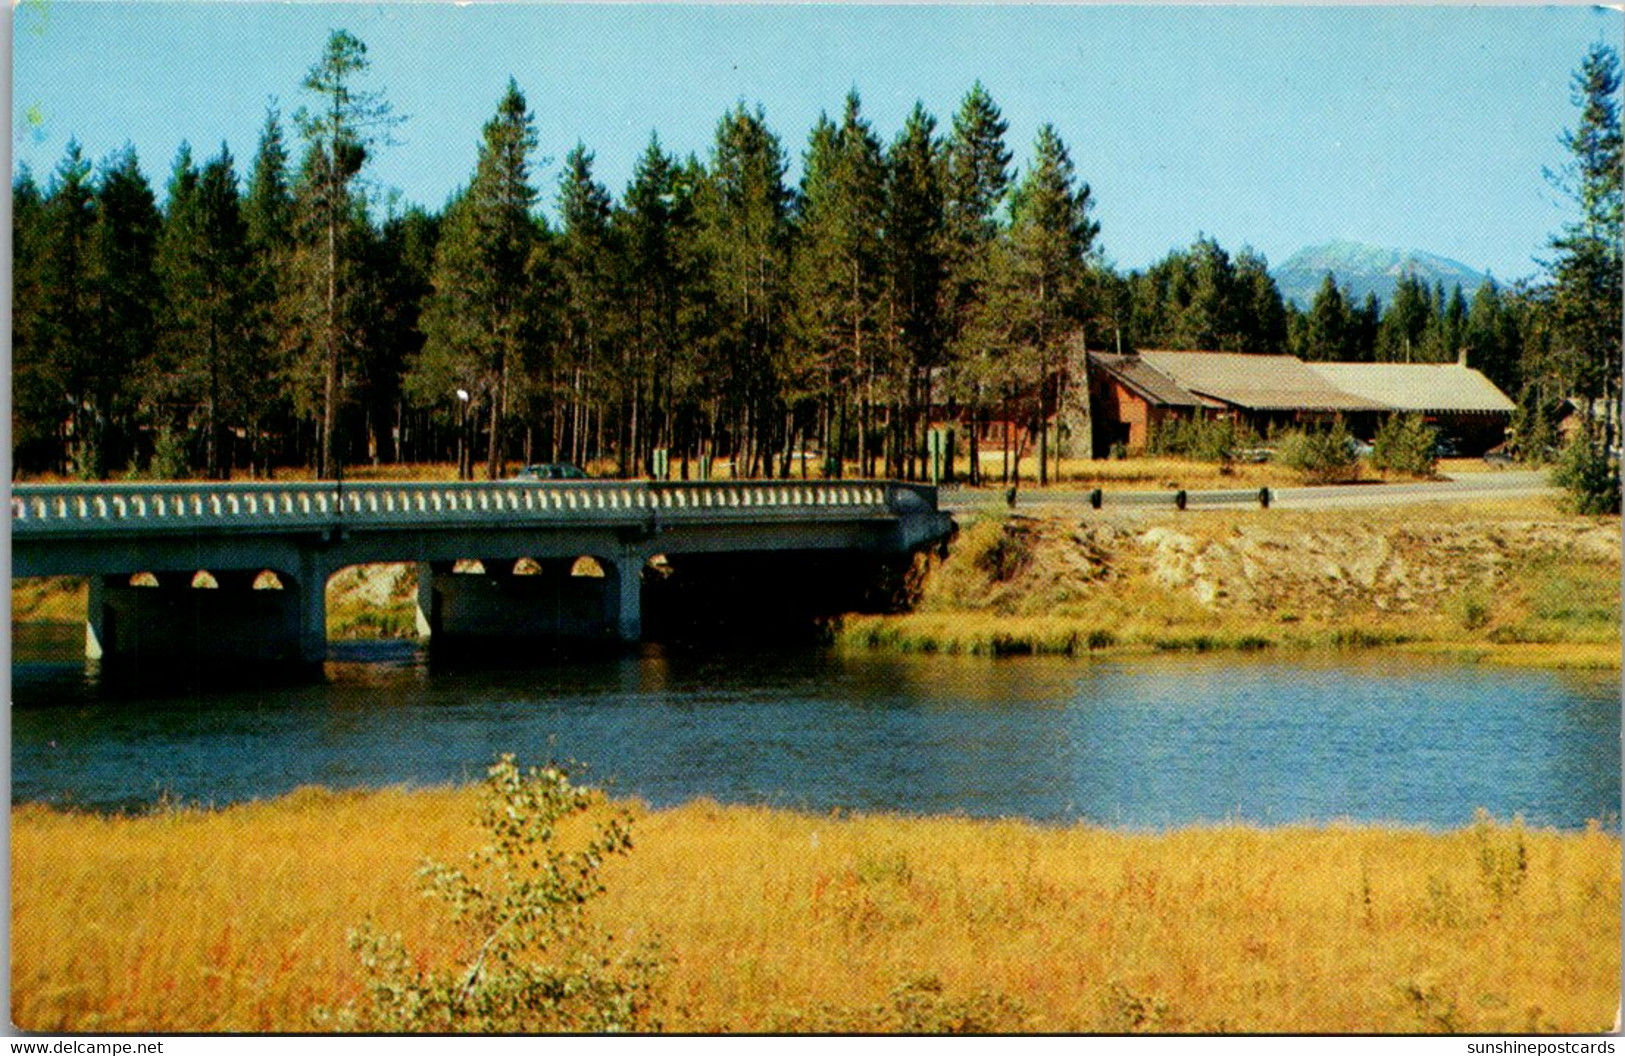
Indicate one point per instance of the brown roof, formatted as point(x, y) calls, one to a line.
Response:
point(1255, 382)
point(1148, 383)
point(1422, 387)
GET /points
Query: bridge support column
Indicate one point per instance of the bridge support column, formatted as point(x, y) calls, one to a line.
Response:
point(311, 599)
point(96, 619)
point(498, 608)
point(628, 573)
point(174, 622)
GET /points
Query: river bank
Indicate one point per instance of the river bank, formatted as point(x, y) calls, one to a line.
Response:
point(1511, 583)
point(768, 920)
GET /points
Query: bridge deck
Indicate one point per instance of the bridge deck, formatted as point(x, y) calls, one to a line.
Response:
point(39, 510)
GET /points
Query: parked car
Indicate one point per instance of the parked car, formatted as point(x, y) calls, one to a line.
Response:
point(549, 471)
point(1360, 449)
point(1500, 455)
point(1447, 447)
point(1255, 454)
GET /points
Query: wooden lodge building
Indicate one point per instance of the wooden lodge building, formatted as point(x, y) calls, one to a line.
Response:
point(1131, 395)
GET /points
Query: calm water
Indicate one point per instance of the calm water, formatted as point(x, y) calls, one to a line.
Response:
point(1140, 743)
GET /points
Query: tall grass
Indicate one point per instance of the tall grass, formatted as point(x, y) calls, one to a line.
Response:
point(237, 920)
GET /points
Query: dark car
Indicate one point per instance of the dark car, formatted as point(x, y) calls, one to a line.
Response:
point(549, 471)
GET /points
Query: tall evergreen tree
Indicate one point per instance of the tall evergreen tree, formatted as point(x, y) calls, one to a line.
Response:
point(656, 226)
point(838, 277)
point(1040, 279)
point(211, 355)
point(914, 226)
point(1405, 323)
point(976, 179)
point(482, 315)
point(1261, 312)
point(1586, 300)
point(1492, 340)
point(1328, 324)
point(744, 231)
point(36, 393)
point(126, 291)
point(69, 316)
point(339, 131)
point(586, 260)
point(269, 214)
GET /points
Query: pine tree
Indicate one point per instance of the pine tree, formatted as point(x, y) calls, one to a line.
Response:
point(482, 317)
point(818, 373)
point(126, 294)
point(269, 212)
point(1586, 301)
point(1260, 313)
point(1406, 322)
point(69, 328)
point(838, 279)
point(1492, 339)
point(339, 133)
point(656, 229)
point(211, 358)
point(1039, 280)
point(586, 261)
point(977, 177)
point(914, 225)
point(36, 392)
point(744, 235)
point(1328, 324)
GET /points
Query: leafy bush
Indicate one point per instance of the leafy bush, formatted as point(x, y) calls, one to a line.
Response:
point(170, 460)
point(1323, 456)
point(1405, 444)
point(536, 963)
point(1583, 470)
point(1202, 439)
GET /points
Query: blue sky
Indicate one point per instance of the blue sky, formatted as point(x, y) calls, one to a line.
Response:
point(1417, 128)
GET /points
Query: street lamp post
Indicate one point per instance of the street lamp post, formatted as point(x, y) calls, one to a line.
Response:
point(462, 435)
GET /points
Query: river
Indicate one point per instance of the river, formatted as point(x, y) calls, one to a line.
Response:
point(1134, 742)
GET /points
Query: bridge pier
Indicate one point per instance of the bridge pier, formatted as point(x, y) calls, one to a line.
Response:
point(173, 622)
point(499, 607)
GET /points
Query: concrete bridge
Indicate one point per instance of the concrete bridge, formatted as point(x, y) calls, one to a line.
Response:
point(495, 561)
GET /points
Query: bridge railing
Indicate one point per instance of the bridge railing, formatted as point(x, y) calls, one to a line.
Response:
point(89, 507)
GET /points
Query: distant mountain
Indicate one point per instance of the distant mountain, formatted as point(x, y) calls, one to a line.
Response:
point(1362, 269)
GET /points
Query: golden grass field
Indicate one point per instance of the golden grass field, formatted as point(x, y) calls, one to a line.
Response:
point(236, 920)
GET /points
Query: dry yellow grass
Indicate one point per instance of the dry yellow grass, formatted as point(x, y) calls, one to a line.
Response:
point(236, 920)
point(1498, 582)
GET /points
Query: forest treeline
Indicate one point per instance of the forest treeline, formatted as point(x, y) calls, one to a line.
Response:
point(287, 314)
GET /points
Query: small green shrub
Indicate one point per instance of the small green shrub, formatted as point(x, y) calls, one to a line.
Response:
point(1583, 470)
point(1471, 609)
point(1323, 456)
point(170, 460)
point(1405, 444)
point(536, 964)
point(1201, 439)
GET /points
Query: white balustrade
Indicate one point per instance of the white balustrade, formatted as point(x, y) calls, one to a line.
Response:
point(39, 508)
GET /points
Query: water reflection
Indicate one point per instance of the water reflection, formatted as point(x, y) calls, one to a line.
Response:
point(1143, 742)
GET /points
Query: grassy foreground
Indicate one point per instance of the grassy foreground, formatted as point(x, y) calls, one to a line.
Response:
point(236, 920)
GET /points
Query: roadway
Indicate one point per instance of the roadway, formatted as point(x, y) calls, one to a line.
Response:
point(1508, 484)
